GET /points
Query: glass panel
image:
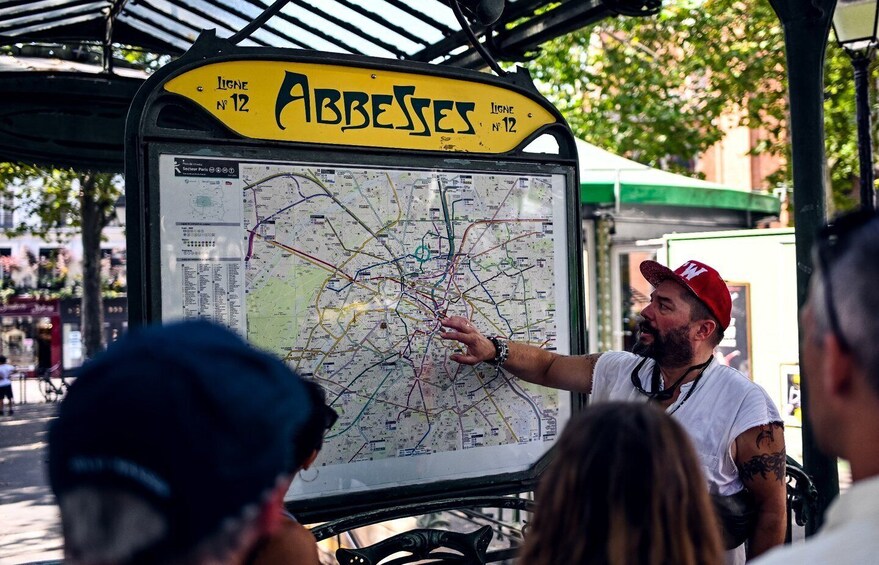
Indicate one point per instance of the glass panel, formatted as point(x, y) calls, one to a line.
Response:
point(634, 293)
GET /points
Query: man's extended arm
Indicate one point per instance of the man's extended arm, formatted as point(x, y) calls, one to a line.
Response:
point(525, 361)
point(761, 460)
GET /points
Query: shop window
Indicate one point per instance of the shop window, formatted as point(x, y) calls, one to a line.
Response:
point(6, 210)
point(17, 340)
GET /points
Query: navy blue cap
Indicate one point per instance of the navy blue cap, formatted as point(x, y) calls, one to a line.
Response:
point(188, 416)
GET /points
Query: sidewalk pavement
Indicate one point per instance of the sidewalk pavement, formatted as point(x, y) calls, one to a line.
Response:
point(30, 529)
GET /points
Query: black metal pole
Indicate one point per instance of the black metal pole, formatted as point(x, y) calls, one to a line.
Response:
point(861, 64)
point(806, 29)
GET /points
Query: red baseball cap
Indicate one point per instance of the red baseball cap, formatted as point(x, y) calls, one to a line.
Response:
point(700, 279)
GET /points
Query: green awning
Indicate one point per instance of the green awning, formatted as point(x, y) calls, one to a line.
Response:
point(601, 172)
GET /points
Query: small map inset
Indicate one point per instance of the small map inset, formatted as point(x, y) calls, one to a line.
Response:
point(207, 203)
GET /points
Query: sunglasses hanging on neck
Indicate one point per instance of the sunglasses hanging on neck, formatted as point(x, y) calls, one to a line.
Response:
point(662, 395)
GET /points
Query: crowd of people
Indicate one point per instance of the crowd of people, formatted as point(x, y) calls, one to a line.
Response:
point(179, 443)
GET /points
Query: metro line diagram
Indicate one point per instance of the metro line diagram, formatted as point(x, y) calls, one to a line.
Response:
point(348, 270)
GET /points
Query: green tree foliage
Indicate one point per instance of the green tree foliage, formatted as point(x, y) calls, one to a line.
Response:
point(840, 129)
point(661, 90)
point(48, 200)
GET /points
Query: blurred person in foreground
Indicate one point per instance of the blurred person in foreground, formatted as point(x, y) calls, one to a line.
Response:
point(733, 424)
point(293, 542)
point(176, 446)
point(841, 373)
point(625, 488)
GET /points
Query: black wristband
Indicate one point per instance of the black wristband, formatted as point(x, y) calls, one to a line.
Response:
point(501, 351)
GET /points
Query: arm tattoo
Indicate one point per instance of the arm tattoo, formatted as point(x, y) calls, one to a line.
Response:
point(766, 433)
point(763, 465)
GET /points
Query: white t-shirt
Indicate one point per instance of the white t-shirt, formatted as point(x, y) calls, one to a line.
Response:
point(725, 405)
point(5, 370)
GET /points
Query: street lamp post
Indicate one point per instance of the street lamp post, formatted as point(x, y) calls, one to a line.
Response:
point(806, 26)
point(854, 22)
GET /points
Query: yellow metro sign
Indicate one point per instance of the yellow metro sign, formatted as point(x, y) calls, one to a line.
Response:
point(343, 105)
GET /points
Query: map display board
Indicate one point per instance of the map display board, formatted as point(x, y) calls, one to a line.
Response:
point(332, 209)
point(344, 270)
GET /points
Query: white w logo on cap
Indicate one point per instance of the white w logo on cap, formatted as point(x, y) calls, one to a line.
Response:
point(691, 270)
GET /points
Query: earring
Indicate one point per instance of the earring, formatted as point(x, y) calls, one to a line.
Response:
point(309, 480)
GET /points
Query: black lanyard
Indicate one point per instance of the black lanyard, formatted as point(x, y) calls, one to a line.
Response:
point(661, 395)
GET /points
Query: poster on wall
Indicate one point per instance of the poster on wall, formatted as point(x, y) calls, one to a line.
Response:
point(790, 386)
point(735, 349)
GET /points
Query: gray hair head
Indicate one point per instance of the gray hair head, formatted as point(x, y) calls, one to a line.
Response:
point(853, 265)
point(105, 524)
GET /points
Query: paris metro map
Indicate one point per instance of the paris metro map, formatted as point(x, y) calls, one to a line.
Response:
point(344, 271)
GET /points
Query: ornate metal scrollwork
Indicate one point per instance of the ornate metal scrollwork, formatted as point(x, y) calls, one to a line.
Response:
point(802, 496)
point(423, 544)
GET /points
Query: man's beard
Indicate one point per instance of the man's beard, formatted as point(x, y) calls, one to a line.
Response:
point(671, 350)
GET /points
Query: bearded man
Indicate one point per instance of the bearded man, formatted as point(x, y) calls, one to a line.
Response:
point(735, 426)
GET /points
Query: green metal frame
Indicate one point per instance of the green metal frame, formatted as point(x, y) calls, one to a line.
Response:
point(806, 29)
point(193, 131)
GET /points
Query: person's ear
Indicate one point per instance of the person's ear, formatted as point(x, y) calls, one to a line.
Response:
point(838, 369)
point(271, 512)
point(705, 329)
